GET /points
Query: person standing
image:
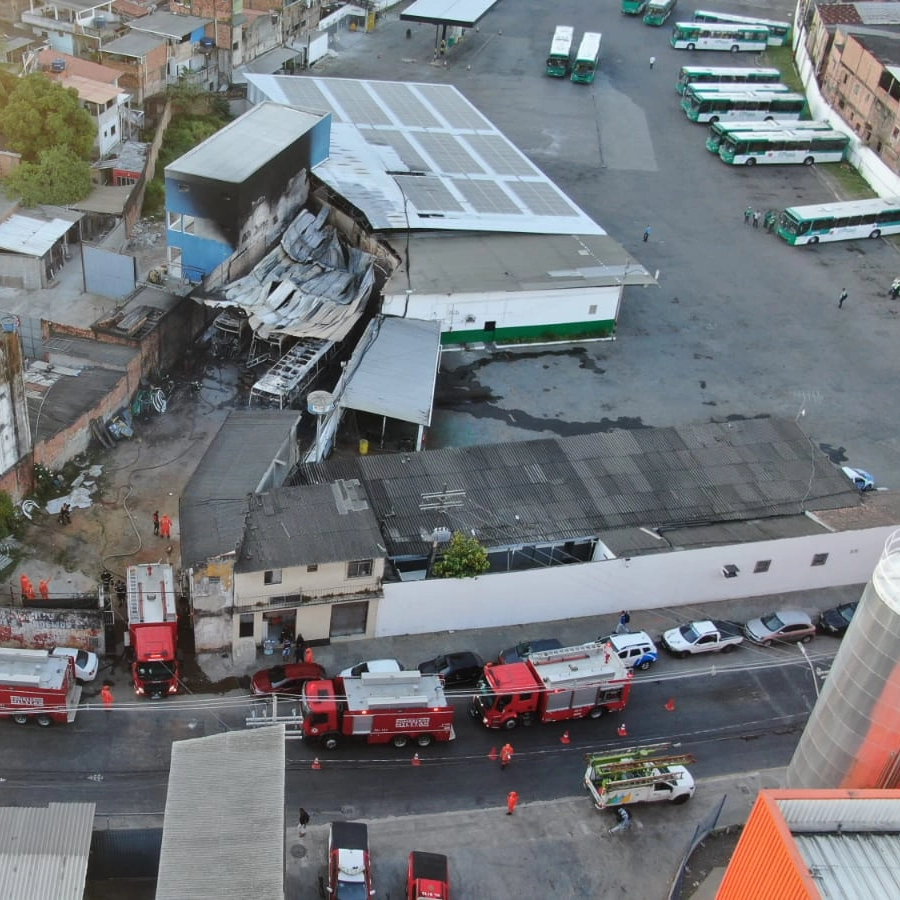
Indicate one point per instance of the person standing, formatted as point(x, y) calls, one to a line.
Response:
point(842, 298)
point(299, 647)
point(756, 218)
point(106, 695)
point(165, 526)
point(302, 822)
point(646, 234)
point(286, 649)
point(652, 61)
point(624, 622)
point(748, 215)
point(44, 589)
point(512, 801)
point(156, 522)
point(506, 755)
point(308, 656)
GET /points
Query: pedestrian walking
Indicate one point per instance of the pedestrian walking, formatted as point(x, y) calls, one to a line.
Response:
point(443, 47)
point(299, 647)
point(286, 649)
point(512, 801)
point(156, 522)
point(165, 526)
point(302, 823)
point(624, 621)
point(748, 215)
point(895, 288)
point(506, 755)
point(646, 234)
point(308, 656)
point(106, 695)
point(756, 218)
point(44, 589)
point(652, 61)
point(67, 513)
point(842, 298)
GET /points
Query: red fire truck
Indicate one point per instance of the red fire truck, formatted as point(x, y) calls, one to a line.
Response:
point(552, 686)
point(153, 630)
point(427, 876)
point(378, 708)
point(35, 685)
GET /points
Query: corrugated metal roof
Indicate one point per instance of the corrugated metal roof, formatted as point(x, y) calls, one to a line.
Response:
point(44, 852)
point(397, 374)
point(133, 43)
point(170, 24)
point(846, 865)
point(450, 12)
point(224, 829)
point(30, 236)
point(849, 812)
point(265, 63)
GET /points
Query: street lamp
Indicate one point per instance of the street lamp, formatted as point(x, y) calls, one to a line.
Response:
point(812, 668)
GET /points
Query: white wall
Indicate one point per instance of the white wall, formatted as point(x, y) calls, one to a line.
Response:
point(677, 578)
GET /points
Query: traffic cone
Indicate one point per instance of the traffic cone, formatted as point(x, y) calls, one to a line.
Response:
point(565, 739)
point(493, 754)
point(415, 760)
point(670, 705)
point(316, 764)
point(623, 731)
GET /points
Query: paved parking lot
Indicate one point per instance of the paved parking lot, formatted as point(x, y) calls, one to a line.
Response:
point(741, 324)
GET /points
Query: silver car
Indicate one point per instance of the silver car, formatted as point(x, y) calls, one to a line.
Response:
point(783, 626)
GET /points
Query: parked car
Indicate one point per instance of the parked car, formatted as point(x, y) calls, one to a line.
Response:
point(524, 649)
point(455, 669)
point(635, 648)
point(861, 479)
point(786, 625)
point(286, 679)
point(704, 636)
point(836, 620)
point(349, 865)
point(86, 663)
point(380, 666)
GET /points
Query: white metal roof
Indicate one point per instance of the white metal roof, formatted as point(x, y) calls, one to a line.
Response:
point(224, 827)
point(33, 237)
point(44, 852)
point(245, 145)
point(397, 374)
point(169, 24)
point(380, 690)
point(420, 156)
point(451, 12)
point(151, 594)
point(558, 668)
point(32, 669)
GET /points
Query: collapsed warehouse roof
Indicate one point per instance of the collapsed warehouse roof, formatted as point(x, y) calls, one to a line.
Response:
point(310, 286)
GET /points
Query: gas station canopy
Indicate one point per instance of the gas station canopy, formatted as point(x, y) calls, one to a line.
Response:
point(465, 13)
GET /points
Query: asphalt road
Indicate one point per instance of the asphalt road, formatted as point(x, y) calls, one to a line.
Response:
point(741, 325)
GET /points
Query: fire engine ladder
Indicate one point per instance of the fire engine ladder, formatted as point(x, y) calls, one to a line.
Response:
point(277, 710)
point(581, 651)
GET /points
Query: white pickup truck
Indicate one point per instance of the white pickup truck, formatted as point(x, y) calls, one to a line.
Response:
point(706, 636)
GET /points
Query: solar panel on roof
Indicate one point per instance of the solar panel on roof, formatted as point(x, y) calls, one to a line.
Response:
point(542, 199)
point(448, 154)
point(428, 195)
point(455, 109)
point(360, 107)
point(406, 107)
point(486, 196)
point(499, 155)
point(410, 156)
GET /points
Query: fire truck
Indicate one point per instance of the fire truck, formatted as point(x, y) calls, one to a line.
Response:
point(639, 775)
point(35, 685)
point(427, 876)
point(152, 630)
point(553, 686)
point(378, 708)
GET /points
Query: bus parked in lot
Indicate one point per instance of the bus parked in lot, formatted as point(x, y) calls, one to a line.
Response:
point(842, 221)
point(710, 106)
point(779, 32)
point(560, 56)
point(704, 87)
point(658, 11)
point(587, 58)
point(718, 130)
point(747, 148)
point(725, 75)
point(712, 36)
point(633, 7)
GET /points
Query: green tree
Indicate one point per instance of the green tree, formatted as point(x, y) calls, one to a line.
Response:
point(463, 557)
point(41, 114)
point(59, 177)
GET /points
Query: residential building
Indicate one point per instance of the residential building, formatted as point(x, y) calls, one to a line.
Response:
point(77, 27)
point(142, 60)
point(187, 40)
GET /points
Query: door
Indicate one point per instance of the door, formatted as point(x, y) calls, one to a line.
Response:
point(349, 618)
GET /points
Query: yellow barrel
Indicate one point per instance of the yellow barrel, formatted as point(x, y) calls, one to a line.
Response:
point(363, 446)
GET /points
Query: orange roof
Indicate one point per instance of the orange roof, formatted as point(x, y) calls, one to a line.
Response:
point(90, 90)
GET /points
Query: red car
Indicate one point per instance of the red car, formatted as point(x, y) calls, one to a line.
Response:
point(428, 876)
point(286, 679)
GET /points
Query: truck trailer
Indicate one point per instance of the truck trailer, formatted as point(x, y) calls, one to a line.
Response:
point(153, 630)
point(377, 708)
point(553, 686)
point(35, 685)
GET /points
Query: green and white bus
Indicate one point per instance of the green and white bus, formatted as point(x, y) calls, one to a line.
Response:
point(843, 221)
point(712, 36)
point(633, 7)
point(725, 75)
point(711, 106)
point(658, 11)
point(718, 130)
point(779, 32)
point(705, 87)
point(747, 148)
point(560, 57)
point(587, 59)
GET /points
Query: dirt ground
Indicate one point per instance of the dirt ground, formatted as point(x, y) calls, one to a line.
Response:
point(714, 852)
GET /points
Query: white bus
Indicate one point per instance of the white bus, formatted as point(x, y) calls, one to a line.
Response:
point(779, 32)
point(560, 56)
point(705, 87)
point(725, 75)
point(747, 106)
point(843, 221)
point(713, 36)
point(587, 58)
point(747, 148)
point(718, 130)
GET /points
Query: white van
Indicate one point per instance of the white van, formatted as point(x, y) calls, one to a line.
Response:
point(635, 648)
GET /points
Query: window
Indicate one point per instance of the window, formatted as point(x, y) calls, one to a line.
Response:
point(819, 559)
point(762, 565)
point(273, 576)
point(592, 309)
point(360, 568)
point(245, 628)
point(215, 579)
point(312, 567)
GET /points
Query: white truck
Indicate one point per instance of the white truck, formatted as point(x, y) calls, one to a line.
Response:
point(639, 775)
point(705, 636)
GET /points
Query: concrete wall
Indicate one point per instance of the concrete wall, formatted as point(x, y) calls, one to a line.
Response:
point(22, 272)
point(678, 578)
point(15, 433)
point(42, 629)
